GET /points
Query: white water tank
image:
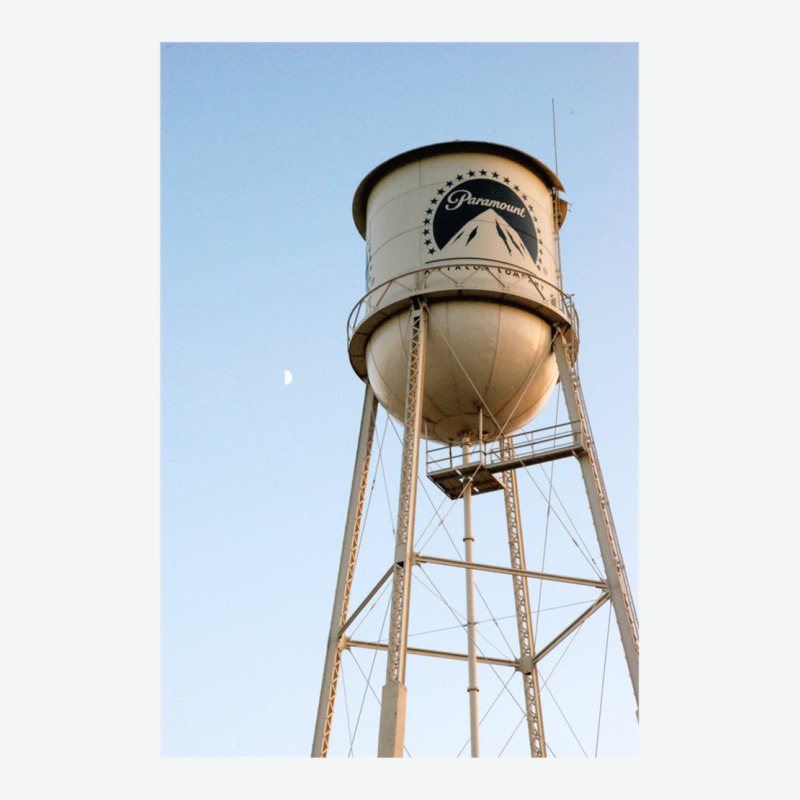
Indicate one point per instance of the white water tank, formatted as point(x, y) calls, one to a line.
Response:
point(471, 227)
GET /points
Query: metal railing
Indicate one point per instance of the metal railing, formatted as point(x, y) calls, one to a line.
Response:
point(525, 446)
point(539, 442)
point(456, 279)
point(451, 456)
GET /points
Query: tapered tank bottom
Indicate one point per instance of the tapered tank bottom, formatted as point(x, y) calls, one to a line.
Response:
point(479, 355)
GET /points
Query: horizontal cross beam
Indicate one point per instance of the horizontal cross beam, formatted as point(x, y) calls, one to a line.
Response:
point(449, 562)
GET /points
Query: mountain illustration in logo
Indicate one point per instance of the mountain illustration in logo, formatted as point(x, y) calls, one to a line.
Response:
point(488, 236)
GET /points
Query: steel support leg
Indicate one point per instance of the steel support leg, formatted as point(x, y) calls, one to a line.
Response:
point(347, 564)
point(530, 674)
point(613, 565)
point(393, 702)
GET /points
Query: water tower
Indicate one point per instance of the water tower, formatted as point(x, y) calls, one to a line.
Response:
point(462, 336)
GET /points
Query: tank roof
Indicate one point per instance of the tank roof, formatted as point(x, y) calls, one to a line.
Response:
point(456, 146)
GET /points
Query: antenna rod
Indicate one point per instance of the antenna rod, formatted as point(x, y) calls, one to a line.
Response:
point(555, 149)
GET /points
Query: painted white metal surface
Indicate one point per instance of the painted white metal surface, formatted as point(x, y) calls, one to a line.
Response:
point(456, 209)
point(480, 355)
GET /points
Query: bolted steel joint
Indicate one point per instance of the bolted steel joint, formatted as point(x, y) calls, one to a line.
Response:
point(400, 556)
point(525, 664)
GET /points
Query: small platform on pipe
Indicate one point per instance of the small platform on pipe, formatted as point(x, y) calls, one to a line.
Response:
point(488, 460)
point(452, 480)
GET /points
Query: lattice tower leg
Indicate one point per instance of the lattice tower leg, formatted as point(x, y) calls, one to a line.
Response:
point(530, 674)
point(347, 565)
point(616, 577)
point(393, 701)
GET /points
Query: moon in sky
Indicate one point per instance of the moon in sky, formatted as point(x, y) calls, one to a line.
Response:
point(287, 377)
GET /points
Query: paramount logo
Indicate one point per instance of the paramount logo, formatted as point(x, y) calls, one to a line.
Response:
point(480, 213)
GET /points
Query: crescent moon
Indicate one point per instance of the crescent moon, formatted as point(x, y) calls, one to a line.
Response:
point(287, 377)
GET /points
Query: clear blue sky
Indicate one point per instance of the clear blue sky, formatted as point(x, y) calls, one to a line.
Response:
point(83, 332)
point(262, 149)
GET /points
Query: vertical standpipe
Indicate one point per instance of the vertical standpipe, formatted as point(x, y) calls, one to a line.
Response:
point(469, 557)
